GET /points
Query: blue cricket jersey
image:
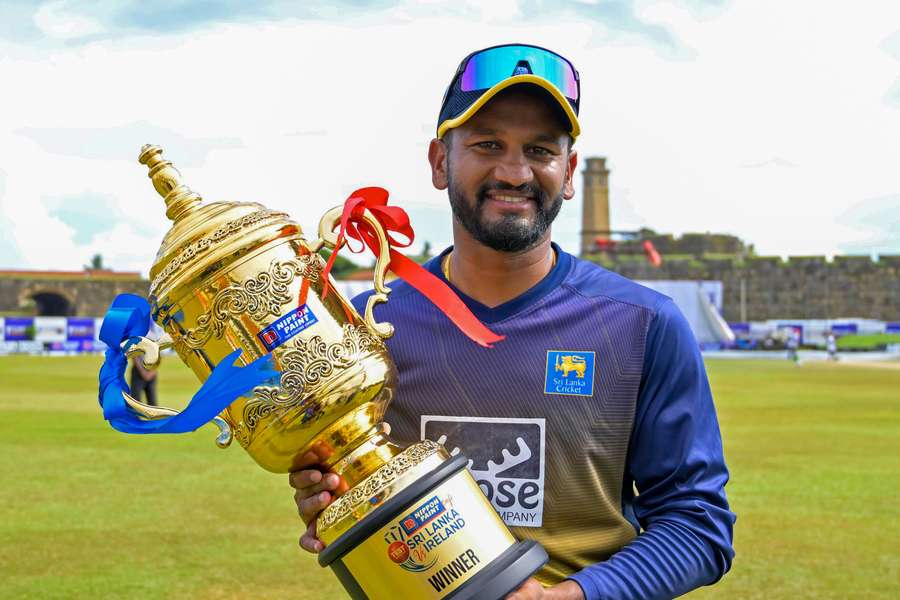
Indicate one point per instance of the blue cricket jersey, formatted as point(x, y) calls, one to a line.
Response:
point(591, 427)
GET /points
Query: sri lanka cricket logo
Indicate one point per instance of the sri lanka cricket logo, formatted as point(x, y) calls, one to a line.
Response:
point(569, 373)
point(411, 540)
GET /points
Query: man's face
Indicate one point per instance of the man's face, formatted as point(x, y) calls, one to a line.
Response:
point(507, 170)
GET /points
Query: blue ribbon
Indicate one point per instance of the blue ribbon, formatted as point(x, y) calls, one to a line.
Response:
point(129, 317)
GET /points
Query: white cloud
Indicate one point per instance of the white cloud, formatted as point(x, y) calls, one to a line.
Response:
point(778, 162)
point(877, 223)
point(58, 20)
point(316, 109)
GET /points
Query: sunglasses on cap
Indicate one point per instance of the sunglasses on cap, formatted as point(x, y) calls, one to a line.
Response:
point(483, 74)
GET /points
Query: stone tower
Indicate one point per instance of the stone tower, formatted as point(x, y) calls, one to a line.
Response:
point(595, 207)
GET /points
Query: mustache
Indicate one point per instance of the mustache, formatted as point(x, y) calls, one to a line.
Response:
point(534, 191)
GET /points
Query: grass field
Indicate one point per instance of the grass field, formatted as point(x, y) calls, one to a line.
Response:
point(864, 342)
point(86, 512)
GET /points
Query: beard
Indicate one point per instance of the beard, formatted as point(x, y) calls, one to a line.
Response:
point(511, 233)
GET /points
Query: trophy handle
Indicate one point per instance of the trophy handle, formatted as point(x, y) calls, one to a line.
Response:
point(147, 351)
point(329, 239)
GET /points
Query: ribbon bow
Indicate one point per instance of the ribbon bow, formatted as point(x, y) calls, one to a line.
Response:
point(395, 220)
point(129, 317)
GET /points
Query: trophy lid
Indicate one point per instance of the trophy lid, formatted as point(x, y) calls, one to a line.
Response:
point(204, 238)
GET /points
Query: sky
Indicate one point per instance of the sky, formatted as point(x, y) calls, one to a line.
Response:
point(776, 121)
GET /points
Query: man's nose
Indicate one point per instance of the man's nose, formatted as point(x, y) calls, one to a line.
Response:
point(513, 169)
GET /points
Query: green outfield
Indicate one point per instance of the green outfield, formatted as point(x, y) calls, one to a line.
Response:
point(86, 512)
point(867, 342)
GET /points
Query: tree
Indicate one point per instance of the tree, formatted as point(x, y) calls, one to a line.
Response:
point(96, 263)
point(342, 266)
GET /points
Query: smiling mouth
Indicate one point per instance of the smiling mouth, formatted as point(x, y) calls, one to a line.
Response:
point(509, 199)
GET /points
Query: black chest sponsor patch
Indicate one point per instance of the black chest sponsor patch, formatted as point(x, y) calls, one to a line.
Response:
point(506, 457)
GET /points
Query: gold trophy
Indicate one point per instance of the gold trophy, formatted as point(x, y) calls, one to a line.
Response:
point(413, 523)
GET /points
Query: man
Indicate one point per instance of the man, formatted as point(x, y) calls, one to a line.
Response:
point(793, 343)
point(598, 390)
point(831, 346)
point(142, 381)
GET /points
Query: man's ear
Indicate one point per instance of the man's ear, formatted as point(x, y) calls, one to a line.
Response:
point(572, 165)
point(437, 157)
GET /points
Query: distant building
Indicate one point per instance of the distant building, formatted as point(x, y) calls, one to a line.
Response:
point(598, 236)
point(755, 288)
point(595, 222)
point(65, 293)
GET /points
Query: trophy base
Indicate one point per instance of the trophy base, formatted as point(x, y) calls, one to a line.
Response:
point(436, 537)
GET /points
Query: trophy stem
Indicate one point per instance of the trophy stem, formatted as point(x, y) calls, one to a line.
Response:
point(361, 460)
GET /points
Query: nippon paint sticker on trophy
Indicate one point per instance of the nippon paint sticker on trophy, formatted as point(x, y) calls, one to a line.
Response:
point(289, 367)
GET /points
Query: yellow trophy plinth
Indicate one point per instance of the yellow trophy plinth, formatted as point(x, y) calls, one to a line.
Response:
point(228, 275)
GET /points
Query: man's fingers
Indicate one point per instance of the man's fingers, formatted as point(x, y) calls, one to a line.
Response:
point(305, 478)
point(530, 590)
point(313, 499)
point(309, 459)
point(317, 494)
point(312, 506)
point(309, 541)
point(340, 485)
point(311, 481)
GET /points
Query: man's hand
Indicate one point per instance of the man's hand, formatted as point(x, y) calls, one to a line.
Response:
point(314, 491)
point(533, 590)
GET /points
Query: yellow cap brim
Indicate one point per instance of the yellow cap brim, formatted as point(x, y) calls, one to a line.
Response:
point(485, 98)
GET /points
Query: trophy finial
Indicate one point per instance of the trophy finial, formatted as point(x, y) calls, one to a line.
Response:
point(180, 200)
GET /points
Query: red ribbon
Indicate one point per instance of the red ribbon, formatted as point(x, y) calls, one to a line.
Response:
point(395, 220)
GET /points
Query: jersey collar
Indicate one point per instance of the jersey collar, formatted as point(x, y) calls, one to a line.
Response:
point(485, 314)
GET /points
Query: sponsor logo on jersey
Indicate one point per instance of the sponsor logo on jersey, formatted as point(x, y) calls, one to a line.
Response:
point(287, 327)
point(570, 373)
point(506, 457)
point(411, 541)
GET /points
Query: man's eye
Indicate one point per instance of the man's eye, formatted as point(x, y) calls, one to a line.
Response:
point(488, 145)
point(541, 151)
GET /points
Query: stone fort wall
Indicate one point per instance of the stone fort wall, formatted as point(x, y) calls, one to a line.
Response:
point(50, 293)
point(802, 287)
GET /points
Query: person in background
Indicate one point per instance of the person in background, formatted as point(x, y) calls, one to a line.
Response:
point(142, 381)
point(831, 346)
point(793, 342)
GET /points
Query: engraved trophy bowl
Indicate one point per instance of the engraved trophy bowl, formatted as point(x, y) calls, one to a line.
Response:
point(412, 522)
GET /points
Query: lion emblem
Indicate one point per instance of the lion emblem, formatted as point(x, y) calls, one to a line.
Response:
point(567, 364)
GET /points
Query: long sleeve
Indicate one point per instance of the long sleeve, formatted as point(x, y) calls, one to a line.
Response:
point(677, 465)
